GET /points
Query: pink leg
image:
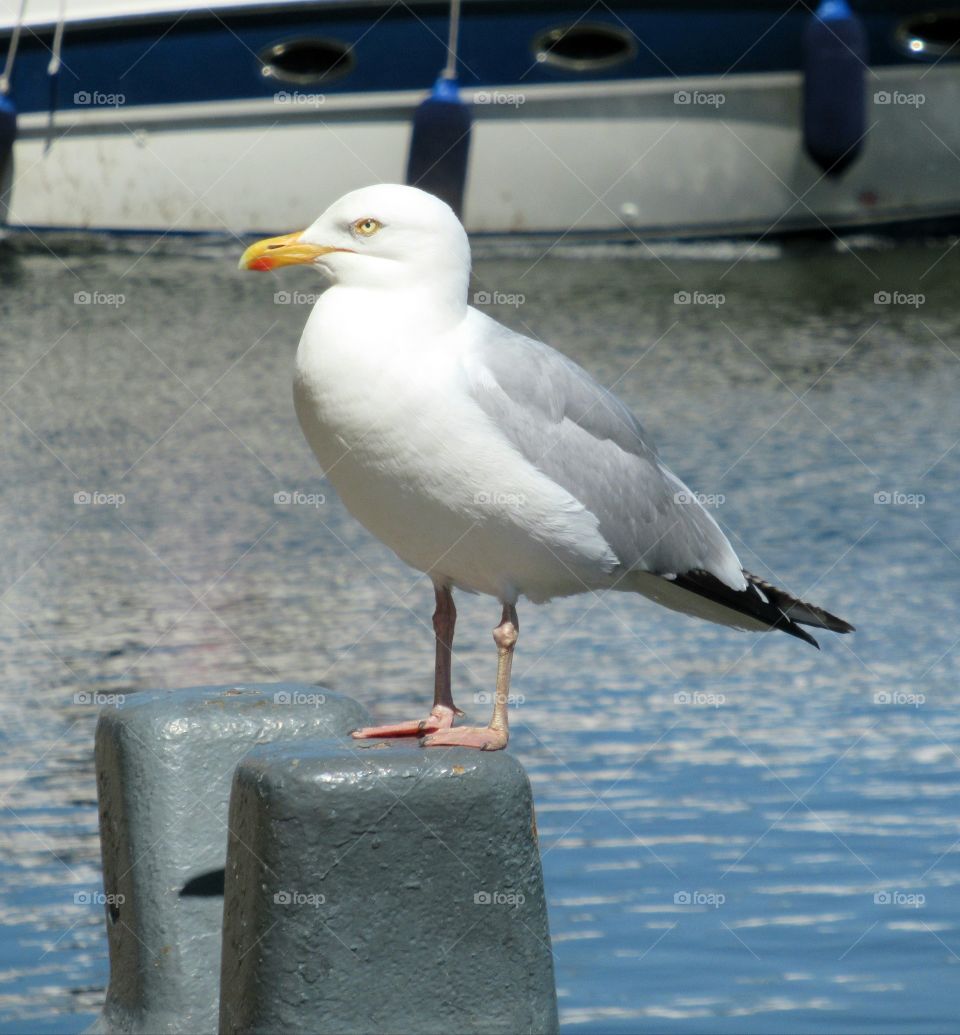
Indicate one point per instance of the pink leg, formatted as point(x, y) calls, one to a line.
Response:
point(444, 711)
point(495, 736)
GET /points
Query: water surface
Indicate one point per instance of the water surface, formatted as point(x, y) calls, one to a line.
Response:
point(739, 834)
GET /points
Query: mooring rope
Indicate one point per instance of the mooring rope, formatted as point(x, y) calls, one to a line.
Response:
point(450, 71)
point(12, 49)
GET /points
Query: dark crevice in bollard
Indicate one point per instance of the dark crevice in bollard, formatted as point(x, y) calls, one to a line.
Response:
point(206, 885)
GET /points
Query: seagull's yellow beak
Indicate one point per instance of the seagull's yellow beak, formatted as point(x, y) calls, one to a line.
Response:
point(288, 250)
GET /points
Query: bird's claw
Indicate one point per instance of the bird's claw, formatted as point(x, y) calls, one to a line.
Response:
point(440, 718)
point(483, 738)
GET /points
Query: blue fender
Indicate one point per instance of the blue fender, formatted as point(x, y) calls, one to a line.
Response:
point(834, 88)
point(8, 134)
point(440, 145)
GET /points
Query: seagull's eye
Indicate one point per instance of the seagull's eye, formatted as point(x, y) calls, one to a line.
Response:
point(367, 226)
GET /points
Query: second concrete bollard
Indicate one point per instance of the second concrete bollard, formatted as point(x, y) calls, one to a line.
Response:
point(383, 888)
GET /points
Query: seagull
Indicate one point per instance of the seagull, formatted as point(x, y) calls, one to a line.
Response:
point(486, 459)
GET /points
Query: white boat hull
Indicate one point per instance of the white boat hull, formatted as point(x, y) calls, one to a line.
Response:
point(613, 158)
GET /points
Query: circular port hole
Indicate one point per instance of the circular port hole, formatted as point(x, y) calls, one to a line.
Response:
point(930, 35)
point(306, 61)
point(584, 47)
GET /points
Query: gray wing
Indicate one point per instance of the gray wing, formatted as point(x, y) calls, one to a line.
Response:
point(580, 435)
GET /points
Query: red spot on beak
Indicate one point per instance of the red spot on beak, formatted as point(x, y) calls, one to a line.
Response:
point(263, 263)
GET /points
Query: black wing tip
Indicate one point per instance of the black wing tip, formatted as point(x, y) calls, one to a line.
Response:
point(766, 603)
point(809, 614)
point(802, 634)
point(788, 625)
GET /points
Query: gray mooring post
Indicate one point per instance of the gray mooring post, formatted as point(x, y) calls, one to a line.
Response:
point(165, 761)
point(378, 887)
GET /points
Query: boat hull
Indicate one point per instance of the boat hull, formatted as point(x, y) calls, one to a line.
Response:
point(617, 158)
point(165, 118)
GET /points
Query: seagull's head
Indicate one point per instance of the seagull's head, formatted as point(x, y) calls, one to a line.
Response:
point(385, 236)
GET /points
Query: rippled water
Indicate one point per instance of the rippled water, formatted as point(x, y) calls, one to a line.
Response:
point(739, 834)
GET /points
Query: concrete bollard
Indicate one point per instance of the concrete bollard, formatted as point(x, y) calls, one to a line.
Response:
point(378, 887)
point(165, 762)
